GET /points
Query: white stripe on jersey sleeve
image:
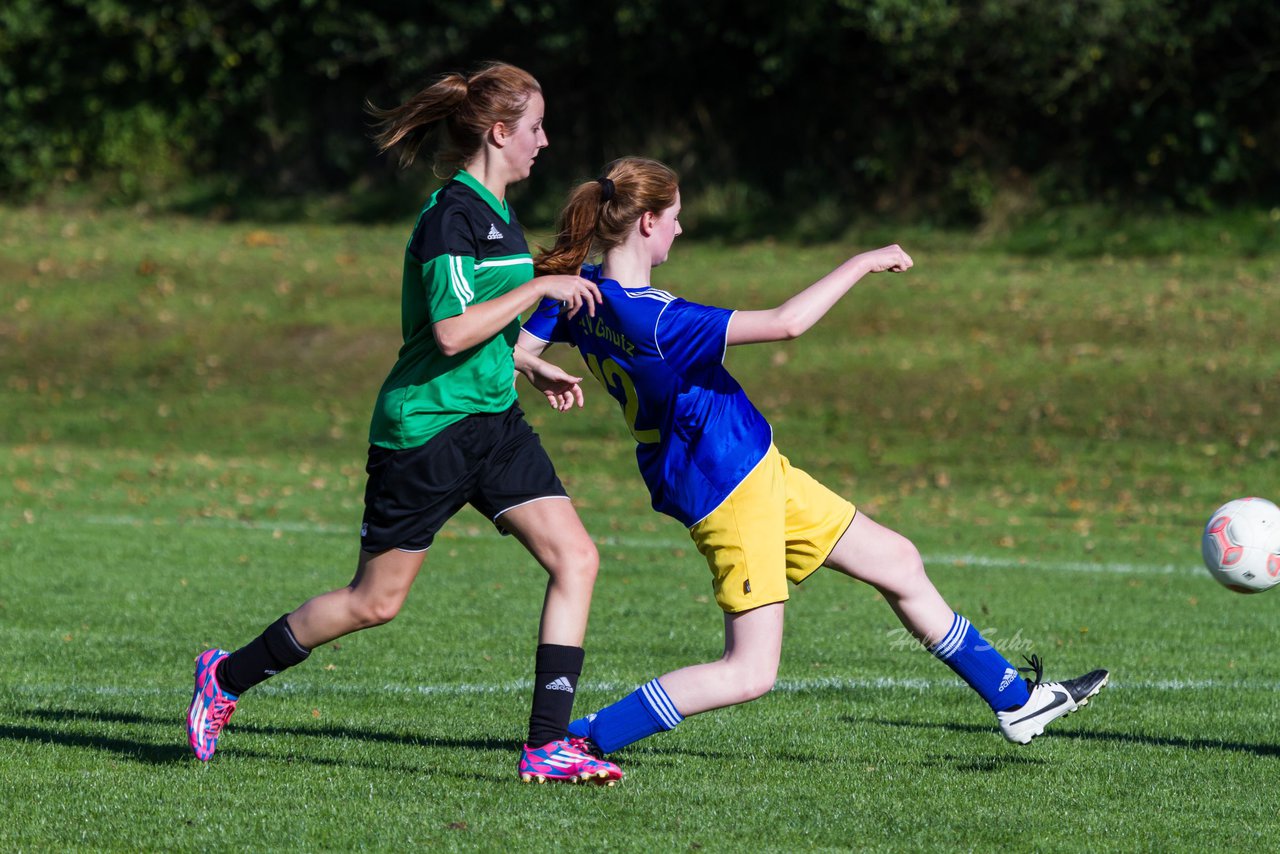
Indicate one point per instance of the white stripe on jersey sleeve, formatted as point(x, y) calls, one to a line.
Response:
point(649, 293)
point(503, 262)
point(657, 345)
point(458, 281)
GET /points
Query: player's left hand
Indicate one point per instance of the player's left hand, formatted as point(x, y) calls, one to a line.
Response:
point(561, 388)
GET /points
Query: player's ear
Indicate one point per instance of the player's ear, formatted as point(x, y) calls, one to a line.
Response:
point(647, 219)
point(499, 133)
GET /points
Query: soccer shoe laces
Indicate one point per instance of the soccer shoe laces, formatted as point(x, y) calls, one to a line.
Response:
point(587, 746)
point(1037, 667)
point(219, 710)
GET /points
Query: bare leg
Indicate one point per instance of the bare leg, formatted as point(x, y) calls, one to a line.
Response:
point(550, 529)
point(752, 647)
point(552, 532)
point(373, 597)
point(890, 563)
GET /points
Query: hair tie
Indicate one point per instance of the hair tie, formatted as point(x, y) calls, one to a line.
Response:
point(606, 188)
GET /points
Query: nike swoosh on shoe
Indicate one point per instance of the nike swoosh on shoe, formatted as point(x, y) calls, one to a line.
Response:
point(1059, 698)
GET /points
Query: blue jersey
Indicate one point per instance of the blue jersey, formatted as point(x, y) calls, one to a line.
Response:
point(661, 357)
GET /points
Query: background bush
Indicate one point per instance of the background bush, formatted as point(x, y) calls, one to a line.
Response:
point(952, 109)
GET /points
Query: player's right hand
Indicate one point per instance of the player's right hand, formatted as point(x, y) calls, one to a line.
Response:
point(572, 292)
point(890, 259)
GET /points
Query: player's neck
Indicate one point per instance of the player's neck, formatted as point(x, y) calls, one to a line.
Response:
point(628, 265)
point(488, 169)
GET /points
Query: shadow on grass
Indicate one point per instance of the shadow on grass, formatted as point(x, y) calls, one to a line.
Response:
point(162, 754)
point(993, 762)
point(1094, 735)
point(179, 754)
point(322, 730)
point(149, 752)
point(141, 751)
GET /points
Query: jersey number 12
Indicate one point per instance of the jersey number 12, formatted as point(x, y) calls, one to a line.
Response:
point(618, 384)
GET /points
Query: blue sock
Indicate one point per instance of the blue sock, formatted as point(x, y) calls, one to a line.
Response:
point(977, 663)
point(640, 714)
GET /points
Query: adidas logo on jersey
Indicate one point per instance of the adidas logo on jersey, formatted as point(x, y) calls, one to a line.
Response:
point(493, 234)
point(560, 684)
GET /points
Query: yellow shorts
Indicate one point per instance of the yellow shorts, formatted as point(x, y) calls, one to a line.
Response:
point(778, 524)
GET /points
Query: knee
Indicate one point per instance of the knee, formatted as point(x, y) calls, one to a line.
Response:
point(757, 686)
point(752, 683)
point(577, 564)
point(902, 569)
point(908, 557)
point(370, 612)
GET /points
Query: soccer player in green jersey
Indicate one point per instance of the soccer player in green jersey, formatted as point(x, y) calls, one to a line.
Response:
point(447, 429)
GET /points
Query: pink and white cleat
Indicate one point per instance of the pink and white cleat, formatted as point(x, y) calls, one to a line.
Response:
point(566, 760)
point(210, 708)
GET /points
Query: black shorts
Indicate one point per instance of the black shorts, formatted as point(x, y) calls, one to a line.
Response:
point(492, 462)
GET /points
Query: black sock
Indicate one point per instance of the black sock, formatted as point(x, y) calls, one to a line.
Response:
point(274, 650)
point(555, 681)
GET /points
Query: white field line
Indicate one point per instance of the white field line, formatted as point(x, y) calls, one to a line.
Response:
point(216, 523)
point(657, 542)
point(520, 687)
point(988, 561)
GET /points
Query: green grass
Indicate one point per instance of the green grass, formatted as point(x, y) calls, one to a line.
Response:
point(182, 428)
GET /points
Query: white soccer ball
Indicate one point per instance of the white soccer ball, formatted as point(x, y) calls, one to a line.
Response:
point(1241, 545)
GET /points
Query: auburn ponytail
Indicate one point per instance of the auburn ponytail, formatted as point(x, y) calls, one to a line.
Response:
point(575, 232)
point(600, 214)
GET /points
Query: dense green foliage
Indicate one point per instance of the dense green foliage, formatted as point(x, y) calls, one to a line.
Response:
point(962, 107)
point(182, 427)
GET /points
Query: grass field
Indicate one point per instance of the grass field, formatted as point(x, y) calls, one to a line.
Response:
point(182, 438)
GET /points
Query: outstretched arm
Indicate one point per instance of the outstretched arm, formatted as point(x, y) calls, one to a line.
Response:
point(795, 316)
point(483, 320)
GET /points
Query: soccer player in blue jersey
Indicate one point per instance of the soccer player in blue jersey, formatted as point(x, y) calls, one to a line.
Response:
point(446, 429)
point(707, 455)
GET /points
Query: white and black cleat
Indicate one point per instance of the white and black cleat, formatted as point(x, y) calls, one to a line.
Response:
point(1049, 701)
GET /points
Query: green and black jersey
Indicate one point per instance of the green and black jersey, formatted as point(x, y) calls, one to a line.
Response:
point(466, 248)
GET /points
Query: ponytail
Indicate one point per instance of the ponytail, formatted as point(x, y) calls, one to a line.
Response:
point(575, 232)
point(465, 108)
point(410, 122)
point(600, 214)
